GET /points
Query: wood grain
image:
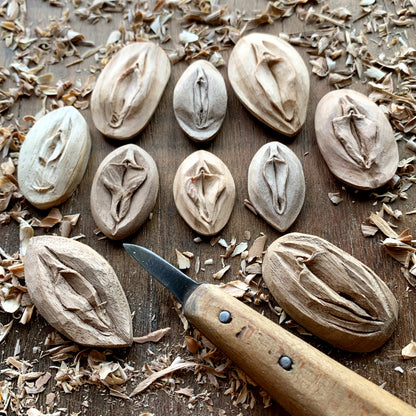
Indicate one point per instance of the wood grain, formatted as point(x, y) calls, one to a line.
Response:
point(237, 141)
point(311, 384)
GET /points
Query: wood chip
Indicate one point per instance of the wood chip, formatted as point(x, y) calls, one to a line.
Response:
point(257, 248)
point(183, 261)
point(368, 230)
point(409, 351)
point(5, 329)
point(335, 197)
point(239, 248)
point(220, 274)
point(154, 336)
point(54, 217)
point(382, 225)
point(236, 288)
point(177, 365)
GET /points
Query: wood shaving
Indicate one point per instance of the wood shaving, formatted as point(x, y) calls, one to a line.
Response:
point(54, 217)
point(409, 351)
point(154, 336)
point(256, 250)
point(220, 274)
point(394, 213)
point(382, 225)
point(192, 344)
point(177, 364)
point(335, 197)
point(239, 248)
point(368, 230)
point(182, 260)
point(4, 330)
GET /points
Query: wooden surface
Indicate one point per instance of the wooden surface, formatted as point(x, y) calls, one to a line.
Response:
point(238, 140)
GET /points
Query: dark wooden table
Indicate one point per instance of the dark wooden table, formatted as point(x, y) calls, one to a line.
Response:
point(239, 138)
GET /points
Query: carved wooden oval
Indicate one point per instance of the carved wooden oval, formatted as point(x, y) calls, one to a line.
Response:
point(129, 89)
point(77, 292)
point(204, 192)
point(329, 292)
point(271, 80)
point(53, 157)
point(355, 139)
point(124, 191)
point(200, 101)
point(276, 185)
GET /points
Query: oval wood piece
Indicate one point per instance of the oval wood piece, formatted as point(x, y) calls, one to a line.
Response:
point(271, 80)
point(276, 185)
point(200, 101)
point(53, 157)
point(329, 292)
point(129, 89)
point(124, 191)
point(355, 139)
point(204, 192)
point(77, 291)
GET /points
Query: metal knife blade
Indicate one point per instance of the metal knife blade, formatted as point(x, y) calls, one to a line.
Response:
point(178, 283)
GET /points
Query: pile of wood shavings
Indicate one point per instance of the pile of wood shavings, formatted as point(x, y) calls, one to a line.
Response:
point(401, 246)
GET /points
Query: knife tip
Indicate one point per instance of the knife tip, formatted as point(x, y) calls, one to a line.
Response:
point(130, 248)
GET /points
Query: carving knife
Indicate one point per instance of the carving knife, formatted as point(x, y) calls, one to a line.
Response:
point(303, 380)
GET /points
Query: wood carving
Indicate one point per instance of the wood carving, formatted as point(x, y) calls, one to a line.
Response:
point(53, 157)
point(271, 80)
point(276, 185)
point(356, 139)
point(204, 192)
point(77, 292)
point(129, 89)
point(200, 101)
point(329, 292)
point(124, 191)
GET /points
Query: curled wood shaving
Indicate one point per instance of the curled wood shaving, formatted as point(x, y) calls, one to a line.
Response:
point(394, 213)
point(178, 364)
point(154, 336)
point(220, 274)
point(25, 233)
point(54, 217)
point(399, 250)
point(256, 251)
point(382, 225)
point(239, 248)
point(4, 330)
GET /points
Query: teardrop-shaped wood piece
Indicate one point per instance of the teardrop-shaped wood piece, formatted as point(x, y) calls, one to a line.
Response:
point(204, 192)
point(129, 89)
point(276, 185)
point(329, 292)
point(355, 139)
point(271, 79)
point(77, 292)
point(124, 191)
point(200, 101)
point(53, 157)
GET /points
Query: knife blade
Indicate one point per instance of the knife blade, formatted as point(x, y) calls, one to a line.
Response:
point(303, 380)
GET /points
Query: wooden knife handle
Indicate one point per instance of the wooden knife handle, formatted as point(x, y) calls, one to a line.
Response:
point(312, 384)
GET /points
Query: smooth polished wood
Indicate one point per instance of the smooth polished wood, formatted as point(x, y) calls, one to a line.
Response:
point(239, 138)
